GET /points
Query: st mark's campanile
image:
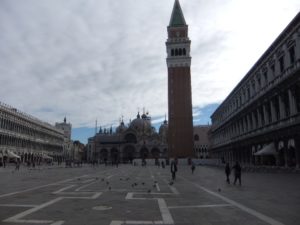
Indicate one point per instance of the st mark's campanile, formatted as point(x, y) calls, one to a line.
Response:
point(180, 139)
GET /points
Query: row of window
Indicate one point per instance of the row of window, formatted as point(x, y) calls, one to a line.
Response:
point(276, 109)
point(263, 77)
point(13, 126)
point(22, 143)
point(203, 150)
point(178, 52)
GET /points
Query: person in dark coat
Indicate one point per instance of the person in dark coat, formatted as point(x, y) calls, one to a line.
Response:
point(237, 173)
point(193, 167)
point(227, 172)
point(173, 169)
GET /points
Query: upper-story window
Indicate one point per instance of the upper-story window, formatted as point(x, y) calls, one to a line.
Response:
point(176, 52)
point(180, 51)
point(248, 93)
point(196, 137)
point(266, 77)
point(184, 51)
point(292, 55)
point(172, 52)
point(272, 67)
point(281, 63)
point(253, 87)
point(258, 81)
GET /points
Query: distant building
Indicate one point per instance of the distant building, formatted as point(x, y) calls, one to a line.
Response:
point(65, 127)
point(68, 144)
point(202, 143)
point(138, 140)
point(259, 122)
point(26, 137)
point(78, 151)
point(179, 86)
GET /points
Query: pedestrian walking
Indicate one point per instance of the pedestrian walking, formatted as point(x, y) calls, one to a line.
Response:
point(193, 167)
point(18, 164)
point(227, 172)
point(173, 169)
point(237, 173)
point(162, 164)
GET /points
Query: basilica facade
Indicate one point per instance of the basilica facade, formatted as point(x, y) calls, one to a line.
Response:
point(137, 140)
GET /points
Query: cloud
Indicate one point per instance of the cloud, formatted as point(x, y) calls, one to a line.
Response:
point(101, 59)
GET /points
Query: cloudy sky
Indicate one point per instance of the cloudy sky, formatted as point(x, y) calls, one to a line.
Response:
point(101, 59)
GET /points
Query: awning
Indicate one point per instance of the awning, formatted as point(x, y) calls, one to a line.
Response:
point(12, 155)
point(267, 150)
point(47, 157)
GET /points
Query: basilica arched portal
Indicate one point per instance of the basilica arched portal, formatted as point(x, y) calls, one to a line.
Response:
point(128, 153)
point(155, 153)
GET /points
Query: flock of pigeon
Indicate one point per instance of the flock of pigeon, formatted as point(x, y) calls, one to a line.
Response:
point(133, 184)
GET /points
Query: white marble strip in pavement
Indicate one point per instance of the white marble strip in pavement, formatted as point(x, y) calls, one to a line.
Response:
point(88, 180)
point(198, 206)
point(17, 205)
point(16, 218)
point(63, 189)
point(30, 221)
point(117, 222)
point(39, 187)
point(86, 185)
point(58, 223)
point(165, 213)
point(253, 212)
point(94, 196)
point(174, 190)
point(157, 187)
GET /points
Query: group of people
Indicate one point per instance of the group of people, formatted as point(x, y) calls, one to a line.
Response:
point(237, 173)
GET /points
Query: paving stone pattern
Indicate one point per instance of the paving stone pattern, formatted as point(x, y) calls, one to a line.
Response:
point(106, 195)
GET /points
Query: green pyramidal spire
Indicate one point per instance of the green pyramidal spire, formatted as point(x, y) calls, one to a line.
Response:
point(177, 18)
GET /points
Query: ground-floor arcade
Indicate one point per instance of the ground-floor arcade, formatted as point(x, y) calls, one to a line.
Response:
point(278, 148)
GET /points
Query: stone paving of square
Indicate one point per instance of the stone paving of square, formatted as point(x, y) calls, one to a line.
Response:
point(107, 195)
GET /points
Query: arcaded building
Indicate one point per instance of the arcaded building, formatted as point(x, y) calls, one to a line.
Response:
point(180, 140)
point(259, 122)
point(137, 140)
point(26, 137)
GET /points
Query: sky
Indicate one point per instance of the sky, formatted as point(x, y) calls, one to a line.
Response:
point(100, 60)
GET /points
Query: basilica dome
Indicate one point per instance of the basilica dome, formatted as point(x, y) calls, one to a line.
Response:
point(141, 124)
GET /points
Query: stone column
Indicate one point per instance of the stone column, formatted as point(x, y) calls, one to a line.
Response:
point(297, 151)
point(297, 49)
point(273, 111)
point(277, 155)
point(259, 117)
point(292, 102)
point(281, 107)
point(253, 121)
point(285, 154)
point(245, 124)
point(248, 122)
point(266, 116)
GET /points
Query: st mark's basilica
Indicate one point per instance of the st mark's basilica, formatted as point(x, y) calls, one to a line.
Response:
point(138, 139)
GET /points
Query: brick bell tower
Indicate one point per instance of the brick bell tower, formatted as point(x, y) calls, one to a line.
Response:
point(180, 139)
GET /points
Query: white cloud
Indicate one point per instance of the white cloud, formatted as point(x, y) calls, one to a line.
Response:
point(89, 59)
